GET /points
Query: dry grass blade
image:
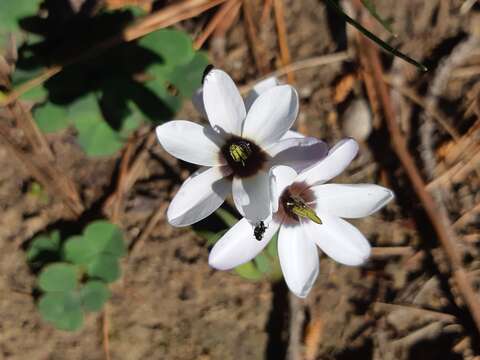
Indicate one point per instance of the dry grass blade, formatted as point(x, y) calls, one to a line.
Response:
point(128, 175)
point(378, 305)
point(439, 221)
point(217, 19)
point(26, 123)
point(116, 200)
point(157, 215)
point(313, 337)
point(228, 21)
point(468, 216)
point(168, 16)
point(437, 215)
point(412, 96)
point(382, 252)
point(105, 333)
point(36, 166)
point(267, 9)
point(301, 65)
point(258, 50)
point(282, 38)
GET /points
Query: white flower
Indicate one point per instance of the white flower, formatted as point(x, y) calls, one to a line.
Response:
point(238, 150)
point(309, 213)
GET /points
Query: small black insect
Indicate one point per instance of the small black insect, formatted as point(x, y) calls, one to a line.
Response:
point(259, 230)
point(206, 71)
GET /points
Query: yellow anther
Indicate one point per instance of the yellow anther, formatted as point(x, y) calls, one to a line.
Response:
point(299, 208)
point(240, 152)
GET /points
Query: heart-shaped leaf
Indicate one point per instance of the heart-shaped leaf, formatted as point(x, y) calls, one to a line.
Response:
point(93, 295)
point(51, 118)
point(44, 247)
point(58, 277)
point(62, 309)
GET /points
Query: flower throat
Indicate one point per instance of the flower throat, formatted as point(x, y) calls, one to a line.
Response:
point(244, 157)
point(296, 207)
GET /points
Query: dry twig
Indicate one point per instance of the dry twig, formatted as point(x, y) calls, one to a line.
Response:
point(128, 175)
point(258, 50)
point(217, 19)
point(158, 215)
point(301, 65)
point(378, 305)
point(381, 252)
point(282, 38)
point(54, 181)
point(434, 113)
point(439, 220)
point(105, 333)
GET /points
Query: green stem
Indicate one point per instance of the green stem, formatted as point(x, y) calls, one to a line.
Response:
point(373, 37)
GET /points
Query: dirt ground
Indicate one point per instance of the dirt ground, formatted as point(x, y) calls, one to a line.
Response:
point(170, 305)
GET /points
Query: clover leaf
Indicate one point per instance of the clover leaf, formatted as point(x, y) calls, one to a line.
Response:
point(98, 250)
point(58, 277)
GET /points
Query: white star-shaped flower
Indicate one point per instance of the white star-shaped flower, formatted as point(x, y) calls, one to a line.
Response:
point(245, 140)
point(309, 213)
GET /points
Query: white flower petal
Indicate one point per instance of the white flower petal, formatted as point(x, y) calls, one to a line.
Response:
point(191, 142)
point(258, 89)
point(239, 245)
point(283, 176)
point(199, 196)
point(339, 239)
point(271, 115)
point(338, 158)
point(292, 134)
point(197, 100)
point(298, 259)
point(223, 103)
point(252, 197)
point(350, 201)
point(298, 153)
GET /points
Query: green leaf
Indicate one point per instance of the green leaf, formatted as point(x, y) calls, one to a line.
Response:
point(11, 11)
point(60, 277)
point(272, 248)
point(51, 118)
point(370, 6)
point(188, 78)
point(62, 309)
point(100, 237)
point(93, 295)
point(98, 249)
point(96, 137)
point(248, 271)
point(106, 237)
point(159, 87)
point(263, 263)
point(226, 217)
point(104, 267)
point(211, 236)
point(79, 251)
point(334, 4)
point(44, 245)
point(20, 76)
point(173, 46)
point(85, 107)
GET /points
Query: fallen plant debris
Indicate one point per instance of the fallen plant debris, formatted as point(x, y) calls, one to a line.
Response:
point(91, 267)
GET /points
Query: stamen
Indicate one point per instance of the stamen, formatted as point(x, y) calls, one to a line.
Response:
point(298, 206)
point(240, 151)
